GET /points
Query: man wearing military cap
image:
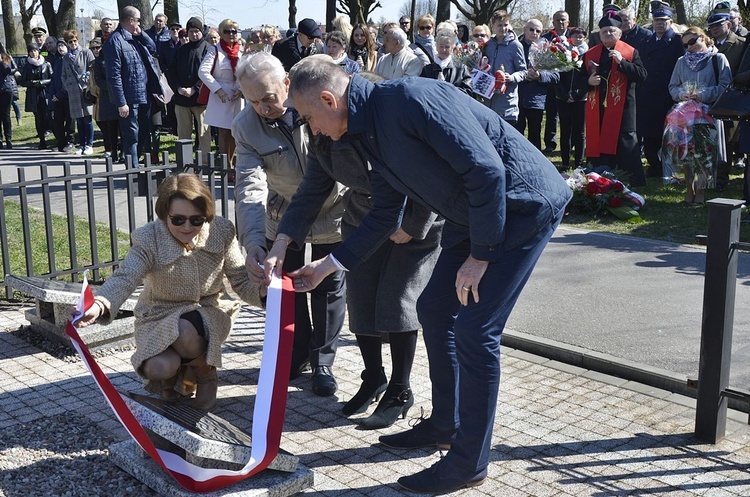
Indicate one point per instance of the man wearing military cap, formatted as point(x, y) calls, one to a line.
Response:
point(38, 35)
point(659, 54)
point(733, 48)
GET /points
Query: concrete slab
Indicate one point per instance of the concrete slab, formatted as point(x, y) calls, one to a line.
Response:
point(267, 483)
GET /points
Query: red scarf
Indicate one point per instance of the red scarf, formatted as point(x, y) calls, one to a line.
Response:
point(233, 52)
point(603, 139)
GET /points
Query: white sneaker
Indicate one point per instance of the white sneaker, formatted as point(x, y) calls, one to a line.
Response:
point(79, 151)
point(69, 148)
point(88, 150)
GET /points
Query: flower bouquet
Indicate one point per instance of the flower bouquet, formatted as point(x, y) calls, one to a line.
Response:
point(690, 139)
point(469, 54)
point(554, 55)
point(598, 193)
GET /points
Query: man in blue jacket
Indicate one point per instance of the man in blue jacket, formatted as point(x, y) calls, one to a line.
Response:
point(132, 78)
point(502, 200)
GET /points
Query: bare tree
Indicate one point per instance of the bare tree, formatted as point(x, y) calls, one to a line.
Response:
point(479, 11)
point(443, 11)
point(172, 10)
point(292, 13)
point(419, 8)
point(26, 14)
point(573, 8)
point(204, 11)
point(358, 10)
point(9, 25)
point(60, 20)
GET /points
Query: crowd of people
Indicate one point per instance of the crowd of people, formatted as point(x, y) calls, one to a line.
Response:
point(369, 147)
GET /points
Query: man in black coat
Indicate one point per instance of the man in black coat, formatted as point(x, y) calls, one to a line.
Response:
point(633, 34)
point(560, 24)
point(659, 54)
point(301, 44)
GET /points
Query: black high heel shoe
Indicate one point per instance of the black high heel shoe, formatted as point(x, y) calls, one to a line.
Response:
point(369, 392)
point(396, 402)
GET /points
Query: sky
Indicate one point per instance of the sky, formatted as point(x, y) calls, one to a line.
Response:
point(250, 13)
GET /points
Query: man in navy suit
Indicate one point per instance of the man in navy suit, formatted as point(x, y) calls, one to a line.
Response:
point(501, 200)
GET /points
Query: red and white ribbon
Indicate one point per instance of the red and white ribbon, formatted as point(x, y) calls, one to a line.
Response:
point(270, 400)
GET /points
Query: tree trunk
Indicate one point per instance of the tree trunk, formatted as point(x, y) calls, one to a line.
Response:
point(573, 8)
point(26, 14)
point(330, 14)
point(412, 15)
point(292, 13)
point(679, 6)
point(147, 17)
point(172, 11)
point(443, 11)
point(9, 26)
point(479, 11)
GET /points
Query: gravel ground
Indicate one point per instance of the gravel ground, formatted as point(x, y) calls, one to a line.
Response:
point(61, 457)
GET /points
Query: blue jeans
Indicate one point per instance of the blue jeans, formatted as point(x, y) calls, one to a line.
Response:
point(463, 345)
point(85, 131)
point(135, 131)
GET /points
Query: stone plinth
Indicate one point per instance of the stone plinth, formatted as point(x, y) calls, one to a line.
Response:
point(267, 483)
point(207, 439)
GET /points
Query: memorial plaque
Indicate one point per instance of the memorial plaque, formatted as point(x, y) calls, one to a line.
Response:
point(207, 440)
point(202, 423)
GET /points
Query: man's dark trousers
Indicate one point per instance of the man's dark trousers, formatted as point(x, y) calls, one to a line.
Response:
point(320, 337)
point(135, 130)
point(463, 345)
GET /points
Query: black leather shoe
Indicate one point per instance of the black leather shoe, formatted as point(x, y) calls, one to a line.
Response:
point(298, 368)
point(422, 434)
point(323, 382)
point(440, 479)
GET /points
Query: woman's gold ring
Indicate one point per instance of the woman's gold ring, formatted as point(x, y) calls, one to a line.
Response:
point(466, 288)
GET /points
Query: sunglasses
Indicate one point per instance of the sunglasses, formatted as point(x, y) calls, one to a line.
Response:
point(479, 35)
point(405, 23)
point(136, 19)
point(422, 28)
point(230, 31)
point(194, 220)
point(690, 43)
point(532, 30)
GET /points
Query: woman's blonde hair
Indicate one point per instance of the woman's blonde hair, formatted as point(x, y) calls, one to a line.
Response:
point(696, 31)
point(186, 186)
point(228, 24)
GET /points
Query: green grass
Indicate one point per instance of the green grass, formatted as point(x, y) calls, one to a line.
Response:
point(39, 253)
point(25, 133)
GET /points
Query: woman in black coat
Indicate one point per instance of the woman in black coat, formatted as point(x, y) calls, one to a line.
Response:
point(105, 112)
point(36, 77)
point(7, 86)
point(445, 68)
point(382, 292)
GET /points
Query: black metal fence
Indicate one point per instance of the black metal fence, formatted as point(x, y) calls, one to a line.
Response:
point(98, 196)
point(722, 251)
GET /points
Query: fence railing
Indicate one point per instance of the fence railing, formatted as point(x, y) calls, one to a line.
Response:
point(722, 251)
point(115, 198)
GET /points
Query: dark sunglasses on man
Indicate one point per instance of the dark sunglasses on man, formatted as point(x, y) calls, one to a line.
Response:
point(194, 220)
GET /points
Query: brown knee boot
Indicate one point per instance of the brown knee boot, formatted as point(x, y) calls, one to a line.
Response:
point(207, 383)
point(168, 392)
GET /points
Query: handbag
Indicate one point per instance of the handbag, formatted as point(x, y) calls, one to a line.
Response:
point(732, 104)
point(205, 91)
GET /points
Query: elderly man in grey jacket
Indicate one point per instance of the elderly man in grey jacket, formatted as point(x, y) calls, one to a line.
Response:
point(271, 161)
point(399, 60)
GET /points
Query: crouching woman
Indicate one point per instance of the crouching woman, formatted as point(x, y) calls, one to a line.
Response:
point(183, 315)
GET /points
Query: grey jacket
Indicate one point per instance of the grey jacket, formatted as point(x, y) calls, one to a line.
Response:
point(271, 161)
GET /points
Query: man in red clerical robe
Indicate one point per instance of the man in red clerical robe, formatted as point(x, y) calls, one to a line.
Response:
point(614, 69)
